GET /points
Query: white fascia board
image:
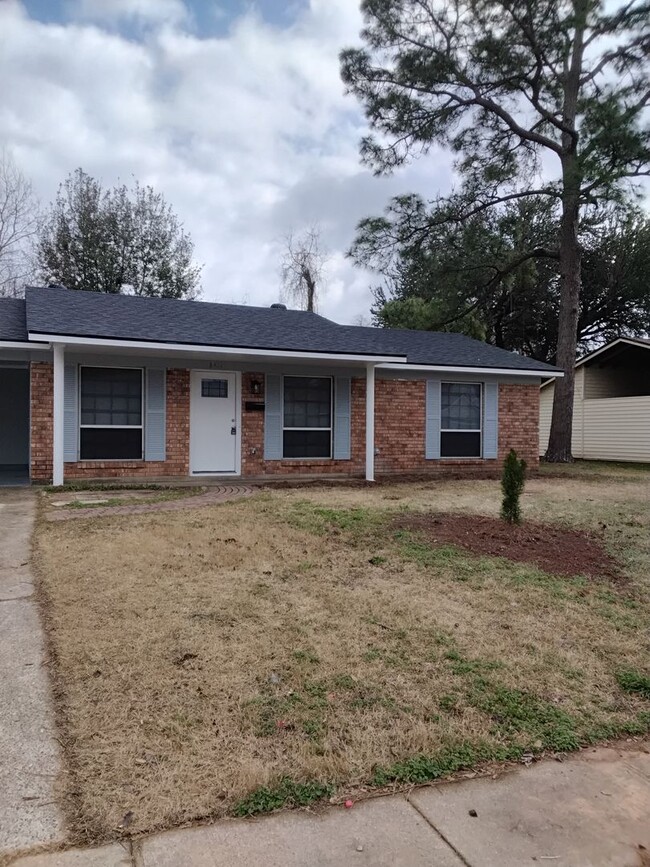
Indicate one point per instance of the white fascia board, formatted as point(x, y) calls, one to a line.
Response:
point(440, 368)
point(23, 344)
point(213, 350)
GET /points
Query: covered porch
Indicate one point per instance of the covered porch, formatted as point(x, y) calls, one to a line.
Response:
point(201, 414)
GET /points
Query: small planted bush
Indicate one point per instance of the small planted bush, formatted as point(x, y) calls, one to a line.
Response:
point(512, 485)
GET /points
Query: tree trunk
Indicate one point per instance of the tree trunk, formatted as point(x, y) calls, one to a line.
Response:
point(559, 444)
point(311, 292)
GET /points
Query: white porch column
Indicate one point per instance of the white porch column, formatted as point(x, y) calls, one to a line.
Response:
point(370, 422)
point(57, 426)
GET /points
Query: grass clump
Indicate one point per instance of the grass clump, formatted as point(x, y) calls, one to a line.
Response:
point(287, 793)
point(633, 681)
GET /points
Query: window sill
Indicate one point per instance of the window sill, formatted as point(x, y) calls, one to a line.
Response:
point(86, 462)
point(464, 458)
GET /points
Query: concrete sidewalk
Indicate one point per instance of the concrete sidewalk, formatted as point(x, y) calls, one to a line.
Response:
point(592, 810)
point(29, 754)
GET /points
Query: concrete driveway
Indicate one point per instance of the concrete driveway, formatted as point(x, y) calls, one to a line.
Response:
point(29, 754)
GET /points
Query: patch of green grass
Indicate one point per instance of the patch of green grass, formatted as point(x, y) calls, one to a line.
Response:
point(317, 692)
point(635, 682)
point(410, 548)
point(516, 712)
point(462, 666)
point(377, 560)
point(287, 793)
point(313, 728)
point(456, 757)
point(320, 520)
point(448, 702)
point(344, 681)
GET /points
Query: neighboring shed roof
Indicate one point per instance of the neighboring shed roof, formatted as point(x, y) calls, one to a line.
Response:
point(604, 353)
point(620, 342)
point(64, 312)
point(12, 319)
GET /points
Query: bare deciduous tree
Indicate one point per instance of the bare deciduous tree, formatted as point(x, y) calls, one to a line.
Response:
point(303, 268)
point(18, 225)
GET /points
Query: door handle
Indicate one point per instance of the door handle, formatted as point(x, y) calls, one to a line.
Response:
point(233, 431)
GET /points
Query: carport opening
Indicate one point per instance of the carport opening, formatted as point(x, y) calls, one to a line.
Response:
point(14, 425)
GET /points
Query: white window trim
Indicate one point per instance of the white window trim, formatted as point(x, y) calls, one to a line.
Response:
point(463, 429)
point(331, 424)
point(140, 426)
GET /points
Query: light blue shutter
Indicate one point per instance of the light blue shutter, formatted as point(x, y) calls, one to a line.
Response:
point(154, 427)
point(342, 404)
point(70, 412)
point(491, 420)
point(273, 419)
point(432, 427)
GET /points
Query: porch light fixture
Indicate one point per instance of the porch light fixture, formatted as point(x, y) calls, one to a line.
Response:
point(256, 387)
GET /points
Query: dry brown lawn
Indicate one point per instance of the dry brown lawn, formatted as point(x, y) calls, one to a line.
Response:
point(203, 658)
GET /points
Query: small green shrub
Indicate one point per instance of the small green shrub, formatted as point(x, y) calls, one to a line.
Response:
point(512, 485)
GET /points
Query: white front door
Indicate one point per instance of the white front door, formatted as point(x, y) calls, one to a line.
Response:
point(213, 422)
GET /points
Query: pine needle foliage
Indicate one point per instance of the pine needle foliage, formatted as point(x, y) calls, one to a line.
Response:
point(512, 485)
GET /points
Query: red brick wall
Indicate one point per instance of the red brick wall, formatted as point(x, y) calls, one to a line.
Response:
point(252, 439)
point(41, 374)
point(400, 428)
point(177, 433)
point(399, 433)
point(519, 422)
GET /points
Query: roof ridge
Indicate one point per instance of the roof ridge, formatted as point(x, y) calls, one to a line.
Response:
point(158, 298)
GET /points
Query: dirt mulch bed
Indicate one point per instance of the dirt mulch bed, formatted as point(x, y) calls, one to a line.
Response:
point(554, 549)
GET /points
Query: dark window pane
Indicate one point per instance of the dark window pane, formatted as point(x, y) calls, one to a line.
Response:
point(107, 443)
point(307, 444)
point(214, 388)
point(459, 444)
point(307, 401)
point(461, 406)
point(111, 396)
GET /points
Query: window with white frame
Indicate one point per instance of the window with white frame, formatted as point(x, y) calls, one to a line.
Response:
point(307, 431)
point(110, 413)
point(460, 427)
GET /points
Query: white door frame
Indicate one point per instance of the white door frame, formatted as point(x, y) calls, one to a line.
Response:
point(215, 374)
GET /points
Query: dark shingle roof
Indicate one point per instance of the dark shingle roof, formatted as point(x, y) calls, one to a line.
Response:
point(12, 319)
point(162, 320)
point(449, 349)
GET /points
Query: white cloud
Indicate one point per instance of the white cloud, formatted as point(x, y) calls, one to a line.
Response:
point(248, 135)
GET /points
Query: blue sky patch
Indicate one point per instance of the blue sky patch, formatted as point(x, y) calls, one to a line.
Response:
point(206, 17)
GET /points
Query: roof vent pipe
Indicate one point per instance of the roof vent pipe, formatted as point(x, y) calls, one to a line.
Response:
point(278, 306)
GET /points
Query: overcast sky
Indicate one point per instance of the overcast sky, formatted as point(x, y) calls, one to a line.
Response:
point(234, 110)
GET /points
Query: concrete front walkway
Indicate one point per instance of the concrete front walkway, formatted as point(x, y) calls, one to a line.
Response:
point(29, 755)
point(214, 494)
point(592, 810)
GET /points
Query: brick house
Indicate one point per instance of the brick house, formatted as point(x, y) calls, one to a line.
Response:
point(99, 386)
